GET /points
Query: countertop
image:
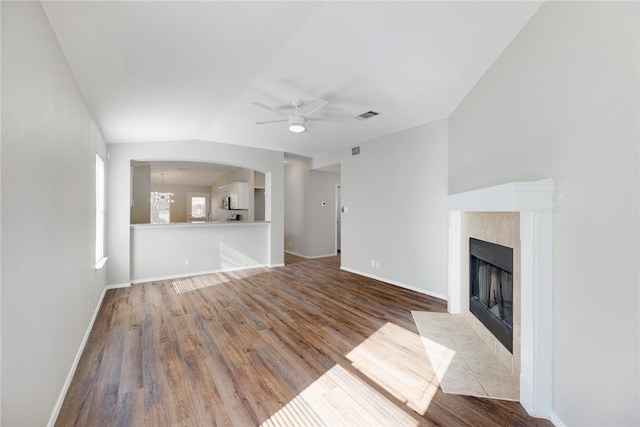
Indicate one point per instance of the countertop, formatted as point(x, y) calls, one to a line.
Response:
point(202, 224)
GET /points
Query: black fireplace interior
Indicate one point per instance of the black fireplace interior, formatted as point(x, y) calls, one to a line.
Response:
point(491, 288)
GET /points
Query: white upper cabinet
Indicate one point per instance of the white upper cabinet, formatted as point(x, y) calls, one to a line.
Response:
point(237, 193)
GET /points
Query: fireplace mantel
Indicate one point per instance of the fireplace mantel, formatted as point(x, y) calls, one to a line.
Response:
point(534, 202)
point(511, 197)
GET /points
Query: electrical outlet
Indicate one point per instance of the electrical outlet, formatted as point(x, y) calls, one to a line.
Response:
point(373, 263)
point(187, 261)
point(377, 264)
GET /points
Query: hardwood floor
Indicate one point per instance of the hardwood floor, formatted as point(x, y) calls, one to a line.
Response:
point(305, 344)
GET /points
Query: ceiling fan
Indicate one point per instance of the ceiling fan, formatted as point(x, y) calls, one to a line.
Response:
point(298, 117)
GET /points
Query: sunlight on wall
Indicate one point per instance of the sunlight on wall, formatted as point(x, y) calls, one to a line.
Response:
point(395, 359)
point(338, 398)
point(231, 258)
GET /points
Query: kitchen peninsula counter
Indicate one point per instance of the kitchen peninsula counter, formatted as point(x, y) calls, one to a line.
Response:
point(167, 251)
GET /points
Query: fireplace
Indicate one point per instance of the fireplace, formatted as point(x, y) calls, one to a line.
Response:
point(533, 270)
point(491, 288)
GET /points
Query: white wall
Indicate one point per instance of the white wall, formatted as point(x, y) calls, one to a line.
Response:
point(562, 103)
point(49, 286)
point(393, 191)
point(118, 235)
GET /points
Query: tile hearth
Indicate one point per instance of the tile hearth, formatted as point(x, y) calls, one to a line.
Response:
point(463, 362)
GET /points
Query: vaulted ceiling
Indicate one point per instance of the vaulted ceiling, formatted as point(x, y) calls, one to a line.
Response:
point(157, 71)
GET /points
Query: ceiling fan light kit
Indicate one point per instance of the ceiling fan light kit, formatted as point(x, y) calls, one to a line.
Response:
point(297, 124)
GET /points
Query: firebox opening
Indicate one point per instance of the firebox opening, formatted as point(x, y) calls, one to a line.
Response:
point(491, 288)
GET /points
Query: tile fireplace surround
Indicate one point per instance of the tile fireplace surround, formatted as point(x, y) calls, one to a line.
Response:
point(534, 202)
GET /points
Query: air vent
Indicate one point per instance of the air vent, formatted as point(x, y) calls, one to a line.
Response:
point(367, 115)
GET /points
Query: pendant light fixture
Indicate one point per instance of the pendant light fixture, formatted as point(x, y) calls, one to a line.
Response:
point(159, 198)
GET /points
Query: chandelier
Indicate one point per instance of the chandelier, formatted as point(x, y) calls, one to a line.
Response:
point(160, 199)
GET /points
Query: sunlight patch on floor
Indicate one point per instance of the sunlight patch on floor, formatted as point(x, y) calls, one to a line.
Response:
point(441, 356)
point(338, 398)
point(394, 358)
point(463, 362)
point(191, 284)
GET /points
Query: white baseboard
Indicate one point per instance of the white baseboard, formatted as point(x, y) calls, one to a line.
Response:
point(311, 257)
point(556, 420)
point(280, 264)
point(74, 366)
point(395, 283)
point(119, 285)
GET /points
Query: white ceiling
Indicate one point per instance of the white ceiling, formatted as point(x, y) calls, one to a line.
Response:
point(154, 71)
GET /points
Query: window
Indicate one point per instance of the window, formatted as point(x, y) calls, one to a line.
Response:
point(197, 207)
point(161, 207)
point(100, 259)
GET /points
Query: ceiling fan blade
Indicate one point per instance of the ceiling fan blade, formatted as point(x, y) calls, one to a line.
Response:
point(267, 107)
point(308, 110)
point(271, 121)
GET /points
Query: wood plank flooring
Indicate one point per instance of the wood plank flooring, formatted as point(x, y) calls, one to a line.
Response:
point(302, 345)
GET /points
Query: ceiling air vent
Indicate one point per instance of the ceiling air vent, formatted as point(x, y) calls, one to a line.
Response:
point(367, 115)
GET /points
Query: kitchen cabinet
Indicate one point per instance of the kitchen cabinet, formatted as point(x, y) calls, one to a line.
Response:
point(235, 195)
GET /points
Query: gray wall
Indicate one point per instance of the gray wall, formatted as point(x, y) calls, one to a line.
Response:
point(393, 191)
point(49, 286)
point(562, 103)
